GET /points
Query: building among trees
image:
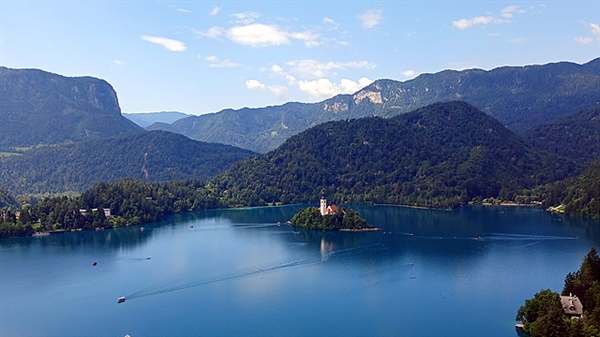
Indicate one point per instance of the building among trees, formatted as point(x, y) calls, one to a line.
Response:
point(327, 210)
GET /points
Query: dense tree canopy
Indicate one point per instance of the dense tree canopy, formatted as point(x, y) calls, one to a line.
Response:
point(439, 156)
point(576, 137)
point(544, 316)
point(148, 156)
point(311, 218)
point(131, 202)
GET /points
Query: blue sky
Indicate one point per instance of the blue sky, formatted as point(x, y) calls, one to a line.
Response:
point(204, 56)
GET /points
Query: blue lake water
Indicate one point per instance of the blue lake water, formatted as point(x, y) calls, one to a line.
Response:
point(236, 273)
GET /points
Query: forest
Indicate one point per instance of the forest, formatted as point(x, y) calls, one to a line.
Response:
point(543, 314)
point(441, 156)
point(446, 155)
point(131, 202)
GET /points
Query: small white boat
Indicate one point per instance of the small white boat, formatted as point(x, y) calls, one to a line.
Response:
point(121, 299)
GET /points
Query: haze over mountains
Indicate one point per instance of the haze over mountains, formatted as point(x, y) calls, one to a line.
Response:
point(519, 97)
point(145, 119)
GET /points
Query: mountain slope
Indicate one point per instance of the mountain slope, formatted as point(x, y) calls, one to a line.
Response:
point(576, 137)
point(519, 97)
point(148, 156)
point(145, 119)
point(441, 155)
point(38, 107)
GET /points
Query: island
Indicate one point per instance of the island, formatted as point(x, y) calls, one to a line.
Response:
point(330, 218)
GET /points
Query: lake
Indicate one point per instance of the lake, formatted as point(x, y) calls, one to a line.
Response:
point(237, 273)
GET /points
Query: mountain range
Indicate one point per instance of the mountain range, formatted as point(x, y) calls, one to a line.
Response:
point(150, 156)
point(440, 155)
point(145, 119)
point(519, 97)
point(38, 107)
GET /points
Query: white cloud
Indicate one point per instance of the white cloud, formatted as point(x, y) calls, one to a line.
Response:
point(277, 69)
point(584, 39)
point(214, 11)
point(324, 88)
point(468, 23)
point(595, 29)
point(258, 35)
point(408, 73)
point(371, 18)
point(310, 39)
point(170, 44)
point(330, 22)
point(350, 87)
point(318, 88)
point(506, 16)
point(119, 62)
point(278, 90)
point(312, 68)
point(213, 32)
point(510, 11)
point(254, 84)
point(261, 35)
point(215, 62)
point(183, 10)
point(245, 18)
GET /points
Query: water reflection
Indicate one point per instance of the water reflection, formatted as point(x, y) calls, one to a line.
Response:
point(119, 238)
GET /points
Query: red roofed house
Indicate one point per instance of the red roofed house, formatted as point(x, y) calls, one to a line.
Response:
point(327, 210)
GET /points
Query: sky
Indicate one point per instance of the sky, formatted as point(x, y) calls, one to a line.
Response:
point(199, 57)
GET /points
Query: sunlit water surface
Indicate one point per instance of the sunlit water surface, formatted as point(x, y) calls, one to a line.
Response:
point(237, 273)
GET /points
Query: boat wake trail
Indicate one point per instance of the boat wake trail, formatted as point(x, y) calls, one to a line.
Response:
point(524, 237)
point(171, 285)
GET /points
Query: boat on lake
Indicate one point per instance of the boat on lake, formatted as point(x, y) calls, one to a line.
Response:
point(121, 299)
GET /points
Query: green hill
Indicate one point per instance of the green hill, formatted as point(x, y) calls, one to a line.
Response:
point(576, 137)
point(148, 156)
point(38, 107)
point(439, 156)
point(519, 97)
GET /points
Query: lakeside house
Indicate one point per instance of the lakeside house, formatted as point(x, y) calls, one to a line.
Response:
point(572, 306)
point(107, 212)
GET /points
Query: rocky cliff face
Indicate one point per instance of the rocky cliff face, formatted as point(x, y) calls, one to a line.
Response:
point(39, 107)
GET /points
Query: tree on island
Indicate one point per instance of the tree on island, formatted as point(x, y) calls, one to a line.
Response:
point(544, 315)
point(311, 218)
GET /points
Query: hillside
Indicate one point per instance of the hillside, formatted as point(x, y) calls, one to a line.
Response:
point(576, 137)
point(145, 119)
point(38, 107)
point(519, 97)
point(441, 155)
point(149, 156)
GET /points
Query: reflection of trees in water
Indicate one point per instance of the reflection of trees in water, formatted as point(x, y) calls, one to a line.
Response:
point(118, 238)
point(247, 215)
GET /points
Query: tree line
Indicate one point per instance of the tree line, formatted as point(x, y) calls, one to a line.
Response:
point(131, 202)
point(543, 315)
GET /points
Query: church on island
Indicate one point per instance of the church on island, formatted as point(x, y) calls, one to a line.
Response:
point(327, 210)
